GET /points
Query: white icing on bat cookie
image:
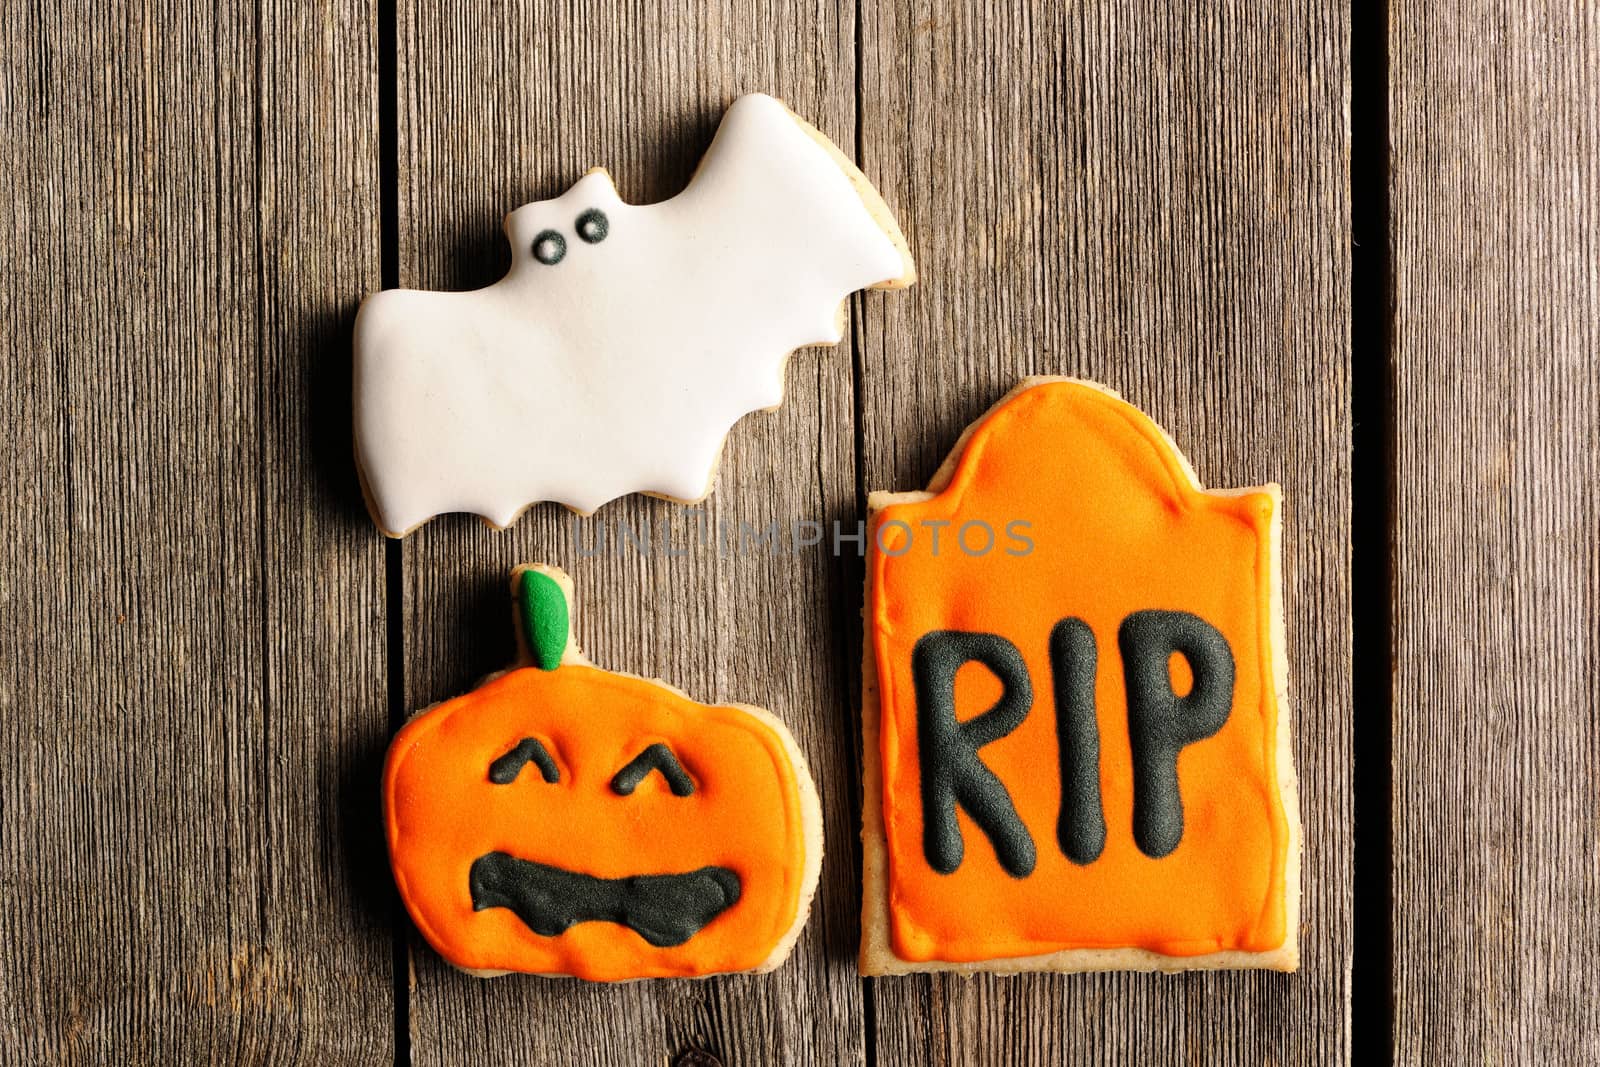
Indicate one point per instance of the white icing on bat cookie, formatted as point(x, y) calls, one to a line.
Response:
point(625, 340)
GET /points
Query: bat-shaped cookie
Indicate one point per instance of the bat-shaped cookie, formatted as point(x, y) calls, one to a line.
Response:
point(625, 340)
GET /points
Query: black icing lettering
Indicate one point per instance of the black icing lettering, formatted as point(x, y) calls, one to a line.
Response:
point(1081, 827)
point(948, 749)
point(549, 247)
point(1161, 723)
point(504, 770)
point(592, 226)
point(657, 757)
point(664, 909)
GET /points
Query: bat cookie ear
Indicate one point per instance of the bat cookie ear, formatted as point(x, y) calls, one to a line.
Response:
point(598, 179)
point(595, 191)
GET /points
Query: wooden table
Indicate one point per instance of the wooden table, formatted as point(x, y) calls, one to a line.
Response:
point(206, 644)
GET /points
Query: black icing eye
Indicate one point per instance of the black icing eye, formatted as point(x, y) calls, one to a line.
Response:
point(505, 770)
point(593, 226)
point(549, 247)
point(657, 757)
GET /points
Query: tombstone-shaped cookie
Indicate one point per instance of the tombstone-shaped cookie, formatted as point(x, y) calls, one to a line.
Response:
point(1075, 720)
point(625, 340)
point(565, 820)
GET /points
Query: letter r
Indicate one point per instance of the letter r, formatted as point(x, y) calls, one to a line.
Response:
point(947, 749)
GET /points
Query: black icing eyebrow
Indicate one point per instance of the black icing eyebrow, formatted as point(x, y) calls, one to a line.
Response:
point(657, 757)
point(504, 770)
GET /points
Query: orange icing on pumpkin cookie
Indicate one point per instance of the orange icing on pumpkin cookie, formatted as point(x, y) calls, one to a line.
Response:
point(1118, 535)
point(574, 821)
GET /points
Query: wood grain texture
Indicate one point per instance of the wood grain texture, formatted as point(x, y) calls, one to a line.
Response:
point(1495, 132)
point(189, 867)
point(1157, 200)
point(502, 106)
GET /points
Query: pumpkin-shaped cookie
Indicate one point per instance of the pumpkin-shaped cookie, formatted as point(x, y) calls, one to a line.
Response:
point(565, 820)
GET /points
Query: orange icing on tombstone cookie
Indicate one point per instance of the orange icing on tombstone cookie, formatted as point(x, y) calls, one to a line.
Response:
point(1117, 527)
point(553, 797)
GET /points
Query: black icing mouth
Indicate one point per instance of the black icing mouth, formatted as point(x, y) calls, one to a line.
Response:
point(664, 909)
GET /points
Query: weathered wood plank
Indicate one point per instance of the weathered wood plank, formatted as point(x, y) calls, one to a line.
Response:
point(1156, 199)
point(506, 105)
point(1495, 132)
point(191, 666)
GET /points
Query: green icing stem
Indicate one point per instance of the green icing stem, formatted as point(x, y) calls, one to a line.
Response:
point(544, 618)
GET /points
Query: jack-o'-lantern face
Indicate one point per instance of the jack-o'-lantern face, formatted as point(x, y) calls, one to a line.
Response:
point(562, 819)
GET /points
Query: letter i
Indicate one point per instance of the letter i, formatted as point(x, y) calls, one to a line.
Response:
point(1081, 828)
